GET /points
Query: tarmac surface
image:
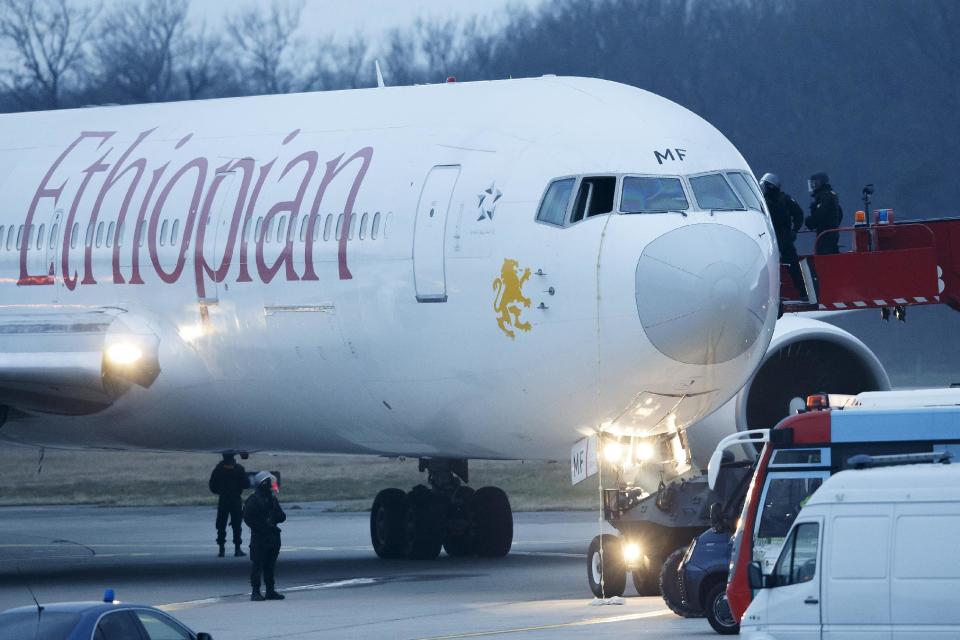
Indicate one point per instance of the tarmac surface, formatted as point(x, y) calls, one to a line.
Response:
point(335, 586)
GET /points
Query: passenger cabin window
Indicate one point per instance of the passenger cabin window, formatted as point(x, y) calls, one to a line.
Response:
point(553, 209)
point(653, 195)
point(798, 560)
point(744, 188)
point(595, 197)
point(713, 193)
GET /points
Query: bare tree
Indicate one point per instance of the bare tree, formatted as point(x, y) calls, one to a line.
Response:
point(137, 44)
point(267, 43)
point(342, 65)
point(49, 39)
point(203, 66)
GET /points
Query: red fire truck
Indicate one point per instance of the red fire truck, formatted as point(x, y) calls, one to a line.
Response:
point(803, 450)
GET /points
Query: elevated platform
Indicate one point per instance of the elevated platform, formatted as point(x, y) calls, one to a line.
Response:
point(884, 266)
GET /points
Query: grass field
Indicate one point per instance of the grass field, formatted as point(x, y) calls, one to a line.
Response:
point(141, 479)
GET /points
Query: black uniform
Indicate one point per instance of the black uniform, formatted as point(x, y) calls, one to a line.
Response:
point(262, 513)
point(825, 213)
point(228, 481)
point(787, 218)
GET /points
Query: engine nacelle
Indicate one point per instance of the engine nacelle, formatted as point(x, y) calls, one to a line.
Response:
point(805, 356)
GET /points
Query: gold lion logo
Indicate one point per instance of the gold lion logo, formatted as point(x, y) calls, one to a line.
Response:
point(509, 290)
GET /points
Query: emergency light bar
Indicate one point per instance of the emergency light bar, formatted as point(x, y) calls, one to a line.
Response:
point(864, 461)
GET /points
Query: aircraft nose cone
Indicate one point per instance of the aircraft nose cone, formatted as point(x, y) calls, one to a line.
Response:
point(703, 293)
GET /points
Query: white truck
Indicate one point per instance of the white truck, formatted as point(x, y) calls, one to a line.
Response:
point(873, 554)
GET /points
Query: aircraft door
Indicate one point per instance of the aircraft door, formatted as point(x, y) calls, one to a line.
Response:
point(221, 234)
point(429, 234)
point(51, 249)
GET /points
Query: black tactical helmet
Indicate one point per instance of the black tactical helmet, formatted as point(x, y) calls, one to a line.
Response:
point(818, 180)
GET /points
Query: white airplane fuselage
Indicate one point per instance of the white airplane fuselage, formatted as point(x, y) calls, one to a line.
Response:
point(444, 321)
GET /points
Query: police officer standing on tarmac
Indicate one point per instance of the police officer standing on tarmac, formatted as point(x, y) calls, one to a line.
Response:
point(228, 481)
point(262, 513)
point(787, 218)
point(825, 213)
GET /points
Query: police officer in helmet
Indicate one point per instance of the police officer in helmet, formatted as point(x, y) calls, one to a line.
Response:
point(787, 218)
point(228, 481)
point(825, 213)
point(262, 513)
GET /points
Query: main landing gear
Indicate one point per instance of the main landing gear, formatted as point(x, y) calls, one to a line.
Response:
point(445, 514)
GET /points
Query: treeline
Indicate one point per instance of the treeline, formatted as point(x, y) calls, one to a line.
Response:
point(868, 91)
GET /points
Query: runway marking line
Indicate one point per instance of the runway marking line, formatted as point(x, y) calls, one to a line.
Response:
point(352, 582)
point(548, 554)
point(560, 625)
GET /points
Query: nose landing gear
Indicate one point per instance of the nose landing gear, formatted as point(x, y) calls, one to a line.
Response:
point(446, 514)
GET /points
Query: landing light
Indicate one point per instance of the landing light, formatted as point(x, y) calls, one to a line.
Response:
point(613, 451)
point(631, 553)
point(190, 332)
point(124, 353)
point(644, 451)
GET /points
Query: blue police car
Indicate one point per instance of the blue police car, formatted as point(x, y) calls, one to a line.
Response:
point(107, 620)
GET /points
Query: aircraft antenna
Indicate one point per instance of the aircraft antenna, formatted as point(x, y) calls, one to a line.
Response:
point(376, 64)
point(35, 601)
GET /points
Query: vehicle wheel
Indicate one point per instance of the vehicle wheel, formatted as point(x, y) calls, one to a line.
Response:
point(670, 586)
point(646, 578)
point(387, 522)
point(424, 524)
point(493, 532)
point(459, 540)
point(718, 611)
point(606, 570)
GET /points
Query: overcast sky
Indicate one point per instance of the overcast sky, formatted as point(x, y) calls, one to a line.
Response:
point(344, 17)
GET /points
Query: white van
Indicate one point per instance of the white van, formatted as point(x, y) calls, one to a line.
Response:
point(873, 554)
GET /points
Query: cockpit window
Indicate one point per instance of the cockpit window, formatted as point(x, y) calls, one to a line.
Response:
point(652, 195)
point(595, 197)
point(714, 194)
point(554, 206)
point(744, 187)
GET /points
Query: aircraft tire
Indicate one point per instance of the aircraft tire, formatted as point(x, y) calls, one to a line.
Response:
point(606, 570)
point(459, 541)
point(646, 580)
point(670, 586)
point(493, 533)
point(387, 523)
point(425, 524)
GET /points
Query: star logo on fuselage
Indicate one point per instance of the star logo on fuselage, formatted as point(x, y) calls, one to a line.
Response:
point(487, 202)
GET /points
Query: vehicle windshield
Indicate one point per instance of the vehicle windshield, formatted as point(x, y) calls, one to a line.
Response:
point(782, 500)
point(53, 625)
point(744, 186)
point(713, 193)
point(652, 195)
